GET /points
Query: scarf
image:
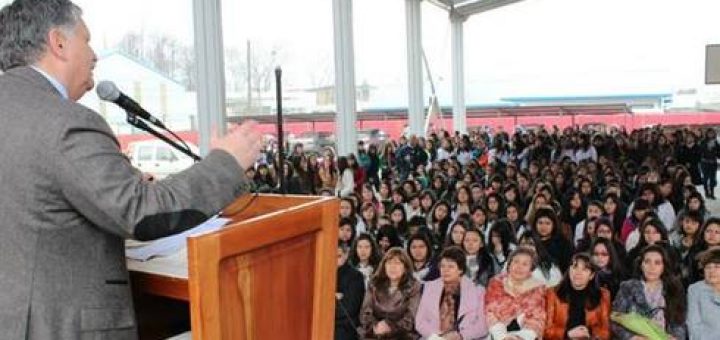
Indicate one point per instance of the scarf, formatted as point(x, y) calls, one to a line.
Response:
point(449, 305)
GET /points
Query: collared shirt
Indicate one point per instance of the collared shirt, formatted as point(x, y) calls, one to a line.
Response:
point(60, 87)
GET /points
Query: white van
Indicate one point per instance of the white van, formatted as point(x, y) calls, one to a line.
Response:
point(158, 158)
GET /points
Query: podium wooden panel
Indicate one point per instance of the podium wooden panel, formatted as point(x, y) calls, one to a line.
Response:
point(269, 274)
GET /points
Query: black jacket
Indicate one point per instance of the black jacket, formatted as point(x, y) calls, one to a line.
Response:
point(351, 287)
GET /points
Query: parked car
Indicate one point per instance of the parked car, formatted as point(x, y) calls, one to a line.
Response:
point(158, 158)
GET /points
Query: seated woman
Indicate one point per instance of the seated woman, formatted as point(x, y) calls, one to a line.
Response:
point(456, 233)
point(657, 295)
point(653, 232)
point(610, 268)
point(704, 299)
point(365, 256)
point(578, 308)
point(709, 239)
point(480, 268)
point(515, 301)
point(452, 306)
point(392, 299)
point(387, 238)
point(547, 227)
point(547, 270)
point(420, 251)
point(501, 243)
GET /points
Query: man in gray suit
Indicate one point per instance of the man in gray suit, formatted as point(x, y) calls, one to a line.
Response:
point(69, 196)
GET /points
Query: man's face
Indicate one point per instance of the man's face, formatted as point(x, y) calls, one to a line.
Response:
point(80, 59)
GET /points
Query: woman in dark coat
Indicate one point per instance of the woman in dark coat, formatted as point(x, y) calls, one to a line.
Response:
point(392, 299)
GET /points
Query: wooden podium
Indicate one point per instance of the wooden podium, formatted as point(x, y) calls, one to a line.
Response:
point(268, 274)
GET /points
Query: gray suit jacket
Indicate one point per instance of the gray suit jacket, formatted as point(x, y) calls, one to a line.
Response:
point(68, 199)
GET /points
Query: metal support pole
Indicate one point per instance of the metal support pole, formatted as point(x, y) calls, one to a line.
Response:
point(346, 133)
point(458, 73)
point(211, 71)
point(416, 105)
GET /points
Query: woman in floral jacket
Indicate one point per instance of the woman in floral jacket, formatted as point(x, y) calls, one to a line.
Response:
point(515, 301)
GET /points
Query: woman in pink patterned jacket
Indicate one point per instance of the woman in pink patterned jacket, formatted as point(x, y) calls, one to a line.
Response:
point(515, 301)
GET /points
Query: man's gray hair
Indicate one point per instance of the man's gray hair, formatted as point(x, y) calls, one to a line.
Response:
point(24, 27)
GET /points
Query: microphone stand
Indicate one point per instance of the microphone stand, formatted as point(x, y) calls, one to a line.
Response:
point(135, 121)
point(281, 142)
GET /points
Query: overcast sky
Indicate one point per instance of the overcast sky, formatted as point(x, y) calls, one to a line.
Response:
point(533, 48)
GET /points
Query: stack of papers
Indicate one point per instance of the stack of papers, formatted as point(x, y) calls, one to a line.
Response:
point(166, 246)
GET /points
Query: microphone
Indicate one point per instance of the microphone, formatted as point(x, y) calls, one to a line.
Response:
point(107, 91)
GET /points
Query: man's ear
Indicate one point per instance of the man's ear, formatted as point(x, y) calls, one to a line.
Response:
point(57, 43)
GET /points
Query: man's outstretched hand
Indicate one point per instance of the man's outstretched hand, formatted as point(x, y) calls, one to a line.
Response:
point(243, 142)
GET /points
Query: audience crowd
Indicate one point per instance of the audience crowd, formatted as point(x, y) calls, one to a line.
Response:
point(544, 234)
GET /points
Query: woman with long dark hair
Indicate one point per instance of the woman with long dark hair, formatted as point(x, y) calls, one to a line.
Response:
point(638, 214)
point(656, 294)
point(420, 250)
point(478, 219)
point(546, 270)
point(615, 210)
point(480, 268)
point(501, 243)
point(365, 256)
point(373, 167)
point(610, 266)
point(327, 172)
point(709, 239)
point(513, 214)
point(369, 218)
point(392, 299)
point(346, 181)
point(456, 233)
point(653, 232)
point(439, 221)
point(511, 194)
point(462, 202)
point(427, 202)
point(399, 220)
point(661, 207)
point(439, 186)
point(548, 229)
point(387, 237)
point(578, 308)
point(693, 203)
point(573, 208)
point(494, 207)
point(305, 174)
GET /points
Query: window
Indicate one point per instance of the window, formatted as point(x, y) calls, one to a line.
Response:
point(165, 155)
point(145, 153)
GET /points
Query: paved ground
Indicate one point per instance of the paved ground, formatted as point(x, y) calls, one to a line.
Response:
point(712, 205)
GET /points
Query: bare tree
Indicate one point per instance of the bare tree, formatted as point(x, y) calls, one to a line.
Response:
point(262, 67)
point(164, 53)
point(235, 70)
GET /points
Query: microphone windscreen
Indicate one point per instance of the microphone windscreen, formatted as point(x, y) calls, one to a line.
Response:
point(107, 90)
